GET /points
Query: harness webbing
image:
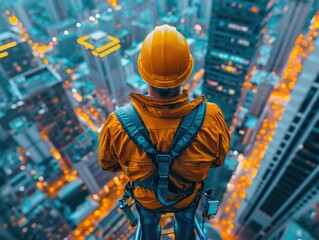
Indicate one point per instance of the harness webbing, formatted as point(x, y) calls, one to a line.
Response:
point(187, 131)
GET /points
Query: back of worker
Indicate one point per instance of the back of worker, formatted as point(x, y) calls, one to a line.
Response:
point(165, 63)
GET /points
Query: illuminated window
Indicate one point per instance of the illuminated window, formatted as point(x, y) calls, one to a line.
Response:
point(238, 27)
point(219, 88)
point(254, 9)
point(244, 42)
point(212, 83)
point(231, 91)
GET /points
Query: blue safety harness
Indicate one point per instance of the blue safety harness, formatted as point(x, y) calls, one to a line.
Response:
point(159, 181)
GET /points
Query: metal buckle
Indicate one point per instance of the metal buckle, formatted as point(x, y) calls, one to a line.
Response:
point(163, 177)
point(163, 158)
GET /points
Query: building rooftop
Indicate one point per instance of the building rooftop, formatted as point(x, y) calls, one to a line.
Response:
point(261, 76)
point(295, 231)
point(33, 201)
point(98, 36)
point(19, 124)
point(86, 208)
point(69, 188)
point(33, 81)
point(8, 37)
point(9, 160)
point(251, 122)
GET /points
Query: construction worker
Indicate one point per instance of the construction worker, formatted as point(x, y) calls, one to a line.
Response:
point(166, 160)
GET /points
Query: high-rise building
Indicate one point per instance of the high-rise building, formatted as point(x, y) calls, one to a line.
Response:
point(83, 154)
point(147, 17)
point(68, 46)
point(34, 16)
point(26, 212)
point(28, 137)
point(234, 36)
point(205, 11)
point(292, 23)
point(132, 54)
point(78, 9)
point(56, 10)
point(309, 219)
point(181, 6)
point(293, 17)
point(287, 182)
point(293, 230)
point(189, 15)
point(74, 202)
point(41, 98)
point(21, 8)
point(106, 72)
point(90, 4)
point(235, 32)
point(4, 26)
point(107, 23)
point(125, 37)
point(13, 62)
point(140, 30)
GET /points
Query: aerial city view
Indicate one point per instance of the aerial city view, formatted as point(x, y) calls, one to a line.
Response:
point(66, 65)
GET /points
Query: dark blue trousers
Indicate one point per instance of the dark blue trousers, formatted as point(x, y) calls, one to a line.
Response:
point(183, 227)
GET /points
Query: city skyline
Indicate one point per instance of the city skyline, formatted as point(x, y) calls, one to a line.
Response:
point(66, 65)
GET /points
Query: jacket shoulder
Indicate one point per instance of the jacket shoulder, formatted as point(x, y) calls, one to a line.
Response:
point(214, 115)
point(212, 109)
point(112, 122)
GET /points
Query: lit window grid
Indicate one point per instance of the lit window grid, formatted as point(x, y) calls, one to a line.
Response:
point(249, 165)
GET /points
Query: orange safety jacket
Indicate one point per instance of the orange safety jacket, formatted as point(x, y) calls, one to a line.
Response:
point(117, 152)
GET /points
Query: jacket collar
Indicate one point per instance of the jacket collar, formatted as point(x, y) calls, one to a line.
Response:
point(168, 108)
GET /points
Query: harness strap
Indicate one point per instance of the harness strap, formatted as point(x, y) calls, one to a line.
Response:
point(188, 130)
point(163, 161)
point(135, 129)
point(184, 136)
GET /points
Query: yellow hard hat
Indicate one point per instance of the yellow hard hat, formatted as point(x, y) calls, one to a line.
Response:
point(165, 60)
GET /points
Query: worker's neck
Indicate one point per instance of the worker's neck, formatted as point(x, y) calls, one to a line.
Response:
point(153, 93)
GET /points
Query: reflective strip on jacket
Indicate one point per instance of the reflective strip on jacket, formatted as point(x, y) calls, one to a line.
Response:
point(117, 152)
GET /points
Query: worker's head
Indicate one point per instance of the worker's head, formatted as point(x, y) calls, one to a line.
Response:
point(165, 62)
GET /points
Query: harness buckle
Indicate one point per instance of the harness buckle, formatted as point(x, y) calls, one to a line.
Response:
point(163, 177)
point(163, 158)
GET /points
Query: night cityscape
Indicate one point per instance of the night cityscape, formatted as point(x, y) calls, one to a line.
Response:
point(66, 65)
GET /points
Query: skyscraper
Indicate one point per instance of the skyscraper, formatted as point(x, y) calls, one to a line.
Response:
point(106, 71)
point(205, 11)
point(4, 26)
point(272, 58)
point(26, 212)
point(28, 137)
point(293, 21)
point(14, 63)
point(234, 34)
point(287, 183)
point(56, 10)
point(189, 15)
point(40, 96)
point(82, 154)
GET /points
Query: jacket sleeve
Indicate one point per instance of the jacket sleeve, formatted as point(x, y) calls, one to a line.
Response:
point(224, 138)
point(106, 156)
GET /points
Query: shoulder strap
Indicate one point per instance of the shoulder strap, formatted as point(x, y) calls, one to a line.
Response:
point(188, 130)
point(184, 136)
point(135, 129)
